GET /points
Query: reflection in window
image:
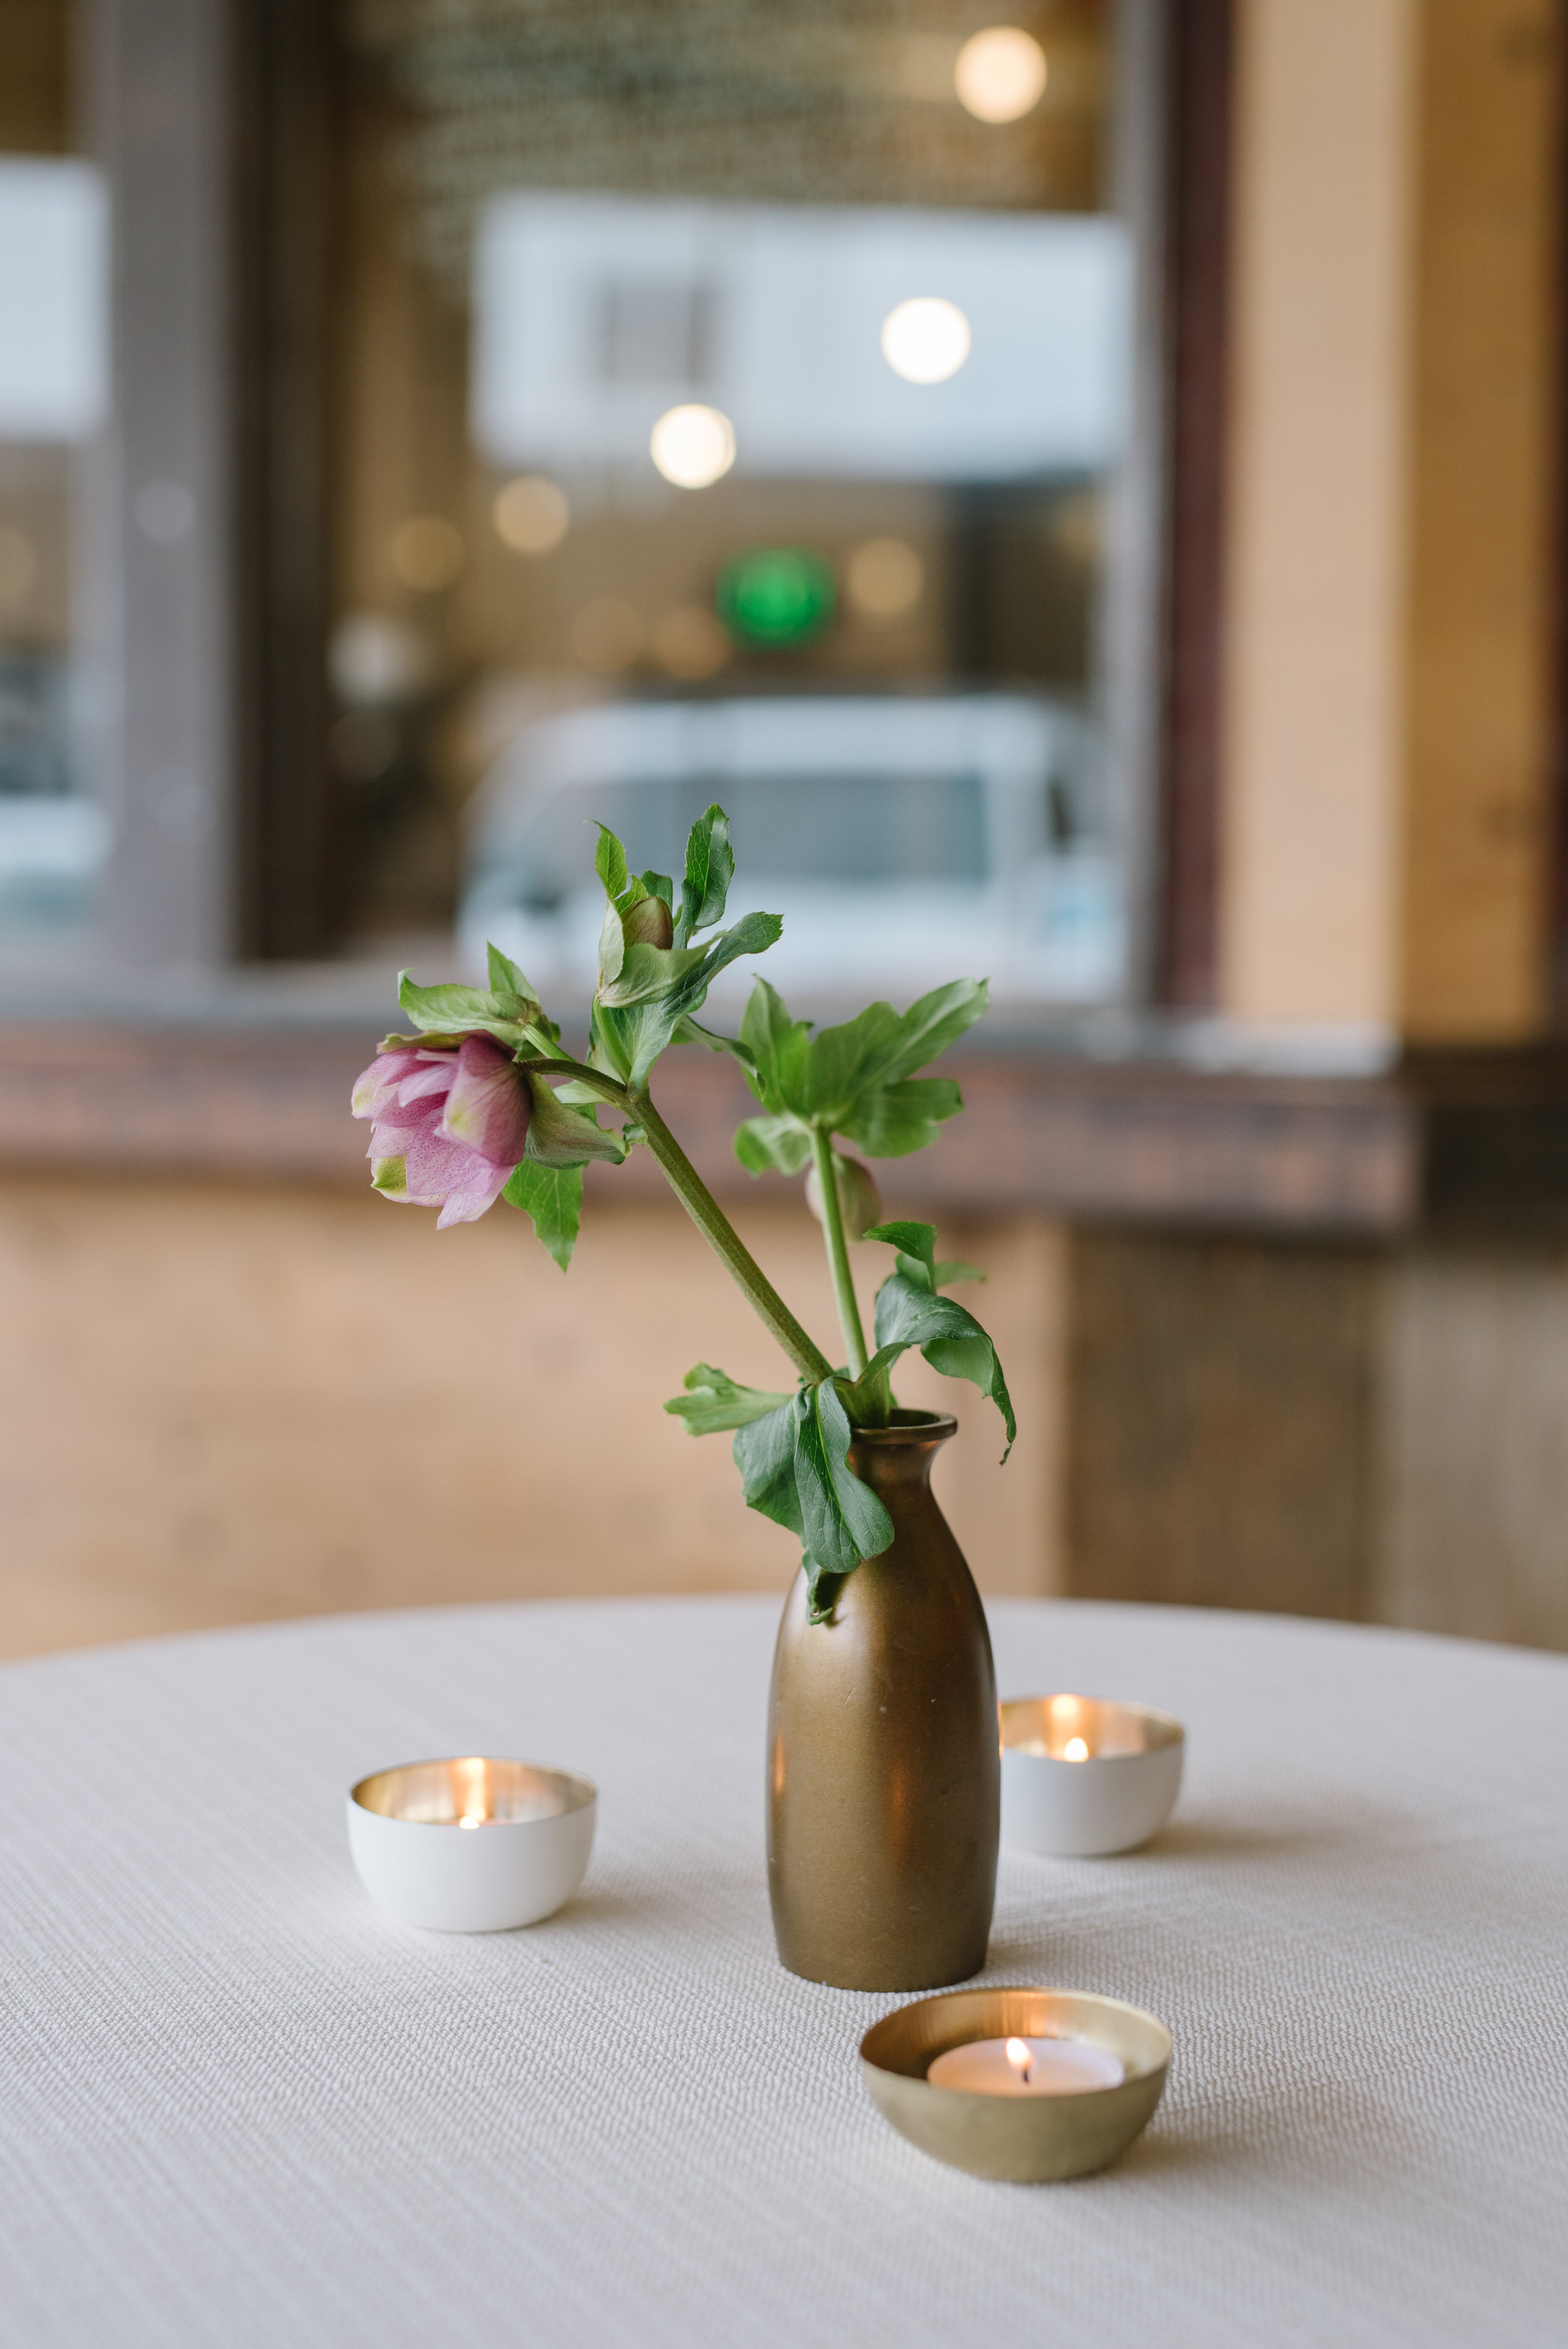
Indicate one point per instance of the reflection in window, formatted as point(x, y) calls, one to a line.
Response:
point(711, 371)
point(53, 374)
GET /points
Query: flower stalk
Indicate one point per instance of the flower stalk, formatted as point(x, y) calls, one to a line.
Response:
point(809, 1361)
point(838, 1252)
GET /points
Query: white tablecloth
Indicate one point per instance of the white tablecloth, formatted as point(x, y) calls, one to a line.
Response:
point(238, 2107)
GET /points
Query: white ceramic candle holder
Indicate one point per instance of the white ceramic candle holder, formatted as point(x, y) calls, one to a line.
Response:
point(1083, 1776)
point(471, 1845)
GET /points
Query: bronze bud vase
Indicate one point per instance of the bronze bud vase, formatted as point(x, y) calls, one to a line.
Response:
point(883, 1765)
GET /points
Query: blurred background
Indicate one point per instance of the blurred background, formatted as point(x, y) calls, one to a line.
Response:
point(1083, 490)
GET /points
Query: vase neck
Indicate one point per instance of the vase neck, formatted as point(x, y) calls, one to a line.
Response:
point(902, 1454)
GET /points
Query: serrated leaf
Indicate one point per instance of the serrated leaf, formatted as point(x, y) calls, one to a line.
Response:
point(551, 1197)
point(610, 864)
point(949, 1337)
point(446, 1014)
point(778, 1046)
point(709, 870)
point(713, 1404)
point(510, 985)
point(773, 1146)
point(842, 1062)
point(647, 971)
point(644, 1028)
point(891, 1121)
point(936, 1020)
point(560, 1136)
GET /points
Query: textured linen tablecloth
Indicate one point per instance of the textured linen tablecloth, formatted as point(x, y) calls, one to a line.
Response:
point(239, 2106)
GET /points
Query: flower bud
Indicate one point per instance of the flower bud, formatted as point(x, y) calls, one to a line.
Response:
point(648, 923)
point(859, 1203)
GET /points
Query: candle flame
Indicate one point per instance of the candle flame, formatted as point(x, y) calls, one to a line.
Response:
point(1075, 1749)
point(469, 1820)
point(1020, 2057)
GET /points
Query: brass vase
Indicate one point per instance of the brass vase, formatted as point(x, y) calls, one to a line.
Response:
point(884, 1776)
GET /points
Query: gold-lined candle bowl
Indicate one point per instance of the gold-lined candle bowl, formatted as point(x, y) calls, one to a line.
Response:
point(1085, 1776)
point(1031, 2139)
point(473, 1844)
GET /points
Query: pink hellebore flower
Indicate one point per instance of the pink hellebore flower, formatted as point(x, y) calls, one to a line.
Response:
point(448, 1126)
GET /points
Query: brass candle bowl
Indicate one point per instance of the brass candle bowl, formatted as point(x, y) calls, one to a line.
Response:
point(1030, 2139)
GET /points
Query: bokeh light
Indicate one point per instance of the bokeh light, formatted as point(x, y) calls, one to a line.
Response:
point(1000, 75)
point(693, 446)
point(532, 514)
point(925, 340)
point(776, 595)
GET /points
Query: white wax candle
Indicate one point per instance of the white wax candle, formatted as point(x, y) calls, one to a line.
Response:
point(1026, 2068)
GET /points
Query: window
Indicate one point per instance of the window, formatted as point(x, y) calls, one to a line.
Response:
point(471, 416)
point(728, 408)
point(53, 396)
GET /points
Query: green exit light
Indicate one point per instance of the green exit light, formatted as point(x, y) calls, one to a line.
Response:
point(776, 595)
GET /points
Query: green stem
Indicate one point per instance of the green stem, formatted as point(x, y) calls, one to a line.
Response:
point(706, 1213)
point(838, 1252)
point(726, 1245)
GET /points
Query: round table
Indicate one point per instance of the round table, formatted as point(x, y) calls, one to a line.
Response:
point(237, 2106)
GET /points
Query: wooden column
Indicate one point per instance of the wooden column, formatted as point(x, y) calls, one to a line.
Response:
point(1389, 603)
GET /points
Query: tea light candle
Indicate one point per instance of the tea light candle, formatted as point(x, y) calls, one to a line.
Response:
point(1051, 2083)
point(1083, 1776)
point(529, 1832)
point(1026, 2068)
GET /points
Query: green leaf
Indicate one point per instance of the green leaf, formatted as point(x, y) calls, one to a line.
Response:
point(773, 1146)
point(842, 1520)
point(445, 1015)
point(713, 1402)
point(778, 1046)
point(916, 1244)
point(842, 1062)
point(689, 1032)
point(510, 987)
point(948, 1336)
point(937, 1020)
point(606, 1046)
point(891, 1121)
point(867, 1399)
point(552, 1198)
point(765, 1454)
point(709, 870)
point(660, 886)
point(610, 864)
point(642, 1029)
point(645, 972)
point(558, 1135)
point(854, 1079)
point(792, 1464)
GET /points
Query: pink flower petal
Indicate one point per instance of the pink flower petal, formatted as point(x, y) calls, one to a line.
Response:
point(466, 1203)
point(488, 1106)
point(381, 1080)
point(428, 1080)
